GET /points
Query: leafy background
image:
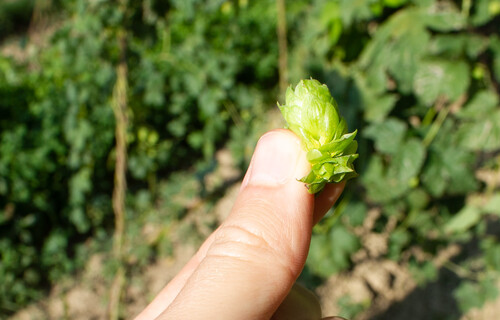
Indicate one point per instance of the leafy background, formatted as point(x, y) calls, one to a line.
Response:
point(419, 79)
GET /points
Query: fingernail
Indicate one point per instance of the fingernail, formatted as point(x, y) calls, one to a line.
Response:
point(274, 160)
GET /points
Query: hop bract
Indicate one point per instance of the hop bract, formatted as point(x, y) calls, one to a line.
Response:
point(312, 114)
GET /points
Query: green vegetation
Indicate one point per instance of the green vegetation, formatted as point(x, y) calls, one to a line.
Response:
point(418, 79)
point(193, 82)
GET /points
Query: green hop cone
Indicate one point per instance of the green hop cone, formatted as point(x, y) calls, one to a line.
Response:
point(312, 114)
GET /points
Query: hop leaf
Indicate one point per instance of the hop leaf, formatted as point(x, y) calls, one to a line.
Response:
point(312, 114)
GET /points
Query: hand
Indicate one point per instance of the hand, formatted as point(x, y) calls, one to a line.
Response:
point(248, 266)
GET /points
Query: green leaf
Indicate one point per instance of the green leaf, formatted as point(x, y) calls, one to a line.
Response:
point(423, 3)
point(493, 205)
point(475, 45)
point(423, 272)
point(449, 168)
point(79, 219)
point(463, 220)
point(331, 20)
point(355, 213)
point(468, 296)
point(406, 56)
point(490, 287)
point(80, 184)
point(474, 294)
point(418, 199)
point(421, 220)
point(195, 139)
point(397, 46)
point(349, 308)
point(154, 94)
point(377, 187)
point(484, 11)
point(178, 126)
point(209, 101)
point(394, 3)
point(483, 134)
point(379, 107)
point(443, 16)
point(456, 45)
point(495, 49)
point(376, 105)
point(436, 78)
point(482, 104)
point(385, 184)
point(387, 135)
point(491, 249)
point(330, 253)
point(355, 10)
point(407, 163)
point(435, 177)
point(397, 240)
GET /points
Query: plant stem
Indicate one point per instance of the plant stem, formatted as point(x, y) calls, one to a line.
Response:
point(466, 4)
point(462, 272)
point(438, 122)
point(119, 104)
point(283, 47)
point(443, 113)
point(120, 111)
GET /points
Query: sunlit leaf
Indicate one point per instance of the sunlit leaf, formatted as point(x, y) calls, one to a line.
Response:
point(463, 220)
point(483, 134)
point(480, 105)
point(436, 78)
point(443, 16)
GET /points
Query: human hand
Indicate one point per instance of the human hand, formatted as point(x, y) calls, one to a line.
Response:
point(248, 266)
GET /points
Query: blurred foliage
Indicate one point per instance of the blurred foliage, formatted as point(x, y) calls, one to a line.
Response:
point(419, 79)
point(349, 308)
point(194, 81)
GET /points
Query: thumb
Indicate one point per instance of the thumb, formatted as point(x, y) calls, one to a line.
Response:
point(248, 265)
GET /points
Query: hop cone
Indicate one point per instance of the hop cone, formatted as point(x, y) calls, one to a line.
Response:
point(312, 114)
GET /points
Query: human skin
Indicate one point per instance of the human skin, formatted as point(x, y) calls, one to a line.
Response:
point(247, 267)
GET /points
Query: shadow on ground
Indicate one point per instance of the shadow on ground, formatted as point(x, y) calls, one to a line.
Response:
point(434, 301)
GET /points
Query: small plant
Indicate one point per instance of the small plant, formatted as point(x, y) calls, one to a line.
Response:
point(312, 114)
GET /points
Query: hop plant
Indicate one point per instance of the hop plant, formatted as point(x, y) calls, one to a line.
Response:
point(312, 114)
